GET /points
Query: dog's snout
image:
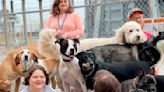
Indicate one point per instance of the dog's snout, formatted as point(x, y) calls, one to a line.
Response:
point(91, 64)
point(153, 88)
point(26, 57)
point(138, 37)
point(85, 66)
point(72, 51)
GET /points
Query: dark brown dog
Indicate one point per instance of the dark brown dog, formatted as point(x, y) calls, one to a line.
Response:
point(143, 81)
point(147, 82)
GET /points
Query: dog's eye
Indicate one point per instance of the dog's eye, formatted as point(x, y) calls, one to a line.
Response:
point(137, 29)
point(131, 31)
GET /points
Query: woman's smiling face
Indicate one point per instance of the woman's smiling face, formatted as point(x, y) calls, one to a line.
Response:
point(37, 79)
point(63, 6)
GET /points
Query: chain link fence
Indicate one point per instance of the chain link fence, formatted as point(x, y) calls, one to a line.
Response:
point(101, 18)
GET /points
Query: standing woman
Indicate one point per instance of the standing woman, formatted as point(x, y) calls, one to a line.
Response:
point(36, 80)
point(65, 21)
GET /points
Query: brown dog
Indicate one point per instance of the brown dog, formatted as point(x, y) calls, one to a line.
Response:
point(15, 64)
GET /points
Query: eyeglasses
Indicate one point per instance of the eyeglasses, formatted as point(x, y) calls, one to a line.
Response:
point(136, 18)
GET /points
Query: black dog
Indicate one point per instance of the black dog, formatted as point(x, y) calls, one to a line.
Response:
point(157, 38)
point(122, 70)
point(160, 83)
point(147, 51)
point(117, 53)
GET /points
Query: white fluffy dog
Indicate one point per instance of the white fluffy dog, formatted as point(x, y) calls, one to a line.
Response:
point(131, 32)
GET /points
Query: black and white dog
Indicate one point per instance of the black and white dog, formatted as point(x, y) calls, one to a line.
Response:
point(122, 70)
point(69, 69)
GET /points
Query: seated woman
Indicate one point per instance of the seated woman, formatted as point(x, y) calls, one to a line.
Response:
point(37, 80)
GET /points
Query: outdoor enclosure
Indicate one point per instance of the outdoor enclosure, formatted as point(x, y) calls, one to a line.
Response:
point(21, 21)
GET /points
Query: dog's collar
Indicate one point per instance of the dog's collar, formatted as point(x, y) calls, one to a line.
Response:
point(66, 60)
point(90, 73)
point(129, 44)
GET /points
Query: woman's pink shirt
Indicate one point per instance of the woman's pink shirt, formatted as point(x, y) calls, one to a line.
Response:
point(73, 26)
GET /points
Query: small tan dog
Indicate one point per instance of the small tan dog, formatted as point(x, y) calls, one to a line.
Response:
point(15, 64)
point(69, 68)
point(46, 44)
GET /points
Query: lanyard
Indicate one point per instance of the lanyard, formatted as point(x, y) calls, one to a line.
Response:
point(60, 25)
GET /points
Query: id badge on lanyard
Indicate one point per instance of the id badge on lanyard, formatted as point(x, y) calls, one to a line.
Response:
point(60, 24)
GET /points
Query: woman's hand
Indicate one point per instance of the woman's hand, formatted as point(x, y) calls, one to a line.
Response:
point(60, 34)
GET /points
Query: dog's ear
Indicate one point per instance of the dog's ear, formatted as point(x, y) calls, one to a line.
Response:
point(141, 73)
point(92, 54)
point(17, 59)
point(120, 35)
point(59, 40)
point(152, 71)
point(34, 57)
point(76, 40)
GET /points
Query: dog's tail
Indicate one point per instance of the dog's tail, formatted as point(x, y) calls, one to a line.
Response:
point(160, 48)
point(46, 44)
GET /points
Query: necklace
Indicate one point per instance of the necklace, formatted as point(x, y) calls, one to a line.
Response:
point(60, 24)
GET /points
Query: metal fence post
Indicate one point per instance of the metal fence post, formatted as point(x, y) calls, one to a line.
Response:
point(5, 23)
point(13, 25)
point(41, 14)
point(24, 21)
point(154, 8)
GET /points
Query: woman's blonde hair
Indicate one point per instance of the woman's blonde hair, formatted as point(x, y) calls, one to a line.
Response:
point(55, 10)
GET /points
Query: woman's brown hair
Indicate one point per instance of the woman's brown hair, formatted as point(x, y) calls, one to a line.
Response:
point(106, 82)
point(55, 10)
point(30, 72)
